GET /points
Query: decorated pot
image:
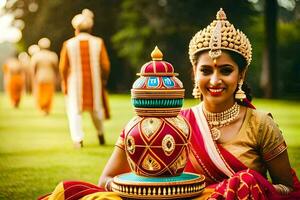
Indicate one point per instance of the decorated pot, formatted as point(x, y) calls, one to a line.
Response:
point(156, 140)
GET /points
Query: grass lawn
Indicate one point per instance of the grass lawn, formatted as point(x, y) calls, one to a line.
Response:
point(36, 151)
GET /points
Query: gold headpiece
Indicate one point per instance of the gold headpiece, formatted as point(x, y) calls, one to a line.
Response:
point(220, 34)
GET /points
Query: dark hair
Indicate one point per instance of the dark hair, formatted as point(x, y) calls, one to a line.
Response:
point(242, 64)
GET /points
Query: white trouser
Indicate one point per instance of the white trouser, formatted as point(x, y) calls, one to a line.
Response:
point(75, 125)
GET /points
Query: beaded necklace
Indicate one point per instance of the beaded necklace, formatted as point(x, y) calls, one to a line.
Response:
point(220, 119)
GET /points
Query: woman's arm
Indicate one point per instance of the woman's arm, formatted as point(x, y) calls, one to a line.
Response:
point(280, 171)
point(117, 164)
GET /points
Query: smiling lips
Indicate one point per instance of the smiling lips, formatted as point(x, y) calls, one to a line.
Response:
point(215, 91)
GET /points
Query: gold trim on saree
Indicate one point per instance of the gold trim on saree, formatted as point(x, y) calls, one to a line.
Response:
point(275, 152)
point(200, 167)
point(210, 145)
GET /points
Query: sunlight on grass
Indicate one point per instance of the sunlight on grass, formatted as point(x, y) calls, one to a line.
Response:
point(36, 151)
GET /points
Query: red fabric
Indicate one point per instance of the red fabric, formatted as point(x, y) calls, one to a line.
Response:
point(157, 67)
point(146, 145)
point(44, 197)
point(235, 164)
point(199, 153)
point(244, 184)
point(248, 103)
point(87, 86)
point(75, 190)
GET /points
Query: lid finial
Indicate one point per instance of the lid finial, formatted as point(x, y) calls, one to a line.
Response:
point(156, 54)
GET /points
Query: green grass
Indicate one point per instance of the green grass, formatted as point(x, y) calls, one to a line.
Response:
point(36, 151)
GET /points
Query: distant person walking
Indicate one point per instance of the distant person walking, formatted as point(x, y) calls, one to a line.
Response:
point(84, 66)
point(13, 80)
point(32, 49)
point(44, 65)
point(24, 59)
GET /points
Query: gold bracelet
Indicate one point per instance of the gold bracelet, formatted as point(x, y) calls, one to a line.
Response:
point(282, 189)
point(108, 184)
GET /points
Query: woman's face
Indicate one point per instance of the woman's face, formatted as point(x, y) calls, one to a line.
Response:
point(217, 80)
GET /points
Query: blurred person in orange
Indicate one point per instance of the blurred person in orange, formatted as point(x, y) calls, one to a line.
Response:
point(24, 59)
point(32, 49)
point(84, 67)
point(44, 65)
point(13, 80)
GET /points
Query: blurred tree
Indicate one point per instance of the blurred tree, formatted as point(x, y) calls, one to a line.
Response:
point(289, 60)
point(269, 79)
point(135, 28)
point(170, 24)
point(52, 19)
point(276, 58)
point(289, 48)
point(132, 28)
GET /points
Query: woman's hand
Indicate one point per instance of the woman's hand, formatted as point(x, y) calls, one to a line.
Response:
point(108, 183)
point(282, 189)
point(280, 171)
point(117, 164)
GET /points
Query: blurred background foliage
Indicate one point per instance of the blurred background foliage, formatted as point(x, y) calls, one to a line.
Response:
point(132, 28)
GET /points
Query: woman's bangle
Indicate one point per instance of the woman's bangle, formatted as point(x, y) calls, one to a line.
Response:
point(108, 184)
point(282, 189)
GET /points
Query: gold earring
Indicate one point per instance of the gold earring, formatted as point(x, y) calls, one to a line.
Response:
point(196, 91)
point(240, 94)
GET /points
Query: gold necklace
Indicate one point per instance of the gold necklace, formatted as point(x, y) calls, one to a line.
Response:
point(220, 119)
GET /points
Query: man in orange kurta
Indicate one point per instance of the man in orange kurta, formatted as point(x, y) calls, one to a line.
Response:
point(13, 80)
point(44, 64)
point(84, 67)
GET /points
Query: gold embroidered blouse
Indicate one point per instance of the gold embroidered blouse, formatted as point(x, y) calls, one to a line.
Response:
point(259, 140)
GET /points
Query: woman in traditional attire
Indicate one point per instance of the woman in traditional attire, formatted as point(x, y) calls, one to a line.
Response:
point(84, 66)
point(232, 144)
point(13, 80)
point(44, 65)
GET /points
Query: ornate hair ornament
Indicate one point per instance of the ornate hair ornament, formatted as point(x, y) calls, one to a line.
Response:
point(220, 34)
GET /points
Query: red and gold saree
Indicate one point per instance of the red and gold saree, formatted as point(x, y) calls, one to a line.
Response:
point(227, 177)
